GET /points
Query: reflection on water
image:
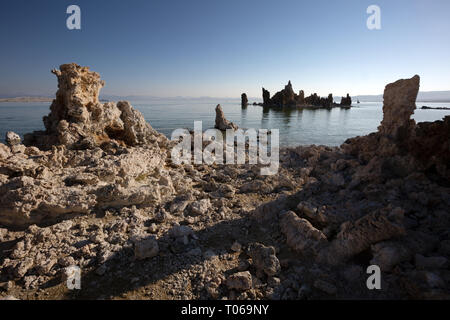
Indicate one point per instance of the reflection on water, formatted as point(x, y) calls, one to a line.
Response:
point(297, 126)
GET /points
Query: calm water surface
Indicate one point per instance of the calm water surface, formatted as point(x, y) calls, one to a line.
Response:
point(297, 127)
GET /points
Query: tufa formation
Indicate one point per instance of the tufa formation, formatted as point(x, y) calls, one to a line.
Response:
point(288, 98)
point(221, 122)
point(78, 120)
point(244, 100)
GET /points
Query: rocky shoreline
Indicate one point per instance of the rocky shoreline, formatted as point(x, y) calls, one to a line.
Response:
point(97, 189)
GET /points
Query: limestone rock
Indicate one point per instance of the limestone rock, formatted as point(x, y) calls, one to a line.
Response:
point(266, 97)
point(387, 254)
point(121, 162)
point(430, 262)
point(3, 233)
point(355, 237)
point(5, 152)
point(264, 259)
point(221, 122)
point(346, 101)
point(301, 97)
point(312, 100)
point(285, 97)
point(430, 145)
point(399, 103)
point(178, 231)
point(240, 281)
point(325, 286)
point(12, 138)
point(301, 236)
point(22, 267)
point(78, 120)
point(9, 297)
point(400, 146)
point(244, 100)
point(200, 207)
point(46, 188)
point(288, 98)
point(255, 186)
point(236, 247)
point(146, 248)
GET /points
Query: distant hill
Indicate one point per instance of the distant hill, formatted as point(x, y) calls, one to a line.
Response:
point(426, 96)
point(154, 98)
point(27, 99)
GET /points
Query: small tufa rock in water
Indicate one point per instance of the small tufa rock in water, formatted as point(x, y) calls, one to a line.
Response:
point(266, 97)
point(221, 122)
point(244, 100)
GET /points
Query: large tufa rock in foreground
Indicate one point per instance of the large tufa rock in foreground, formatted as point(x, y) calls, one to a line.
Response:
point(399, 103)
point(122, 164)
point(78, 120)
point(401, 146)
point(396, 133)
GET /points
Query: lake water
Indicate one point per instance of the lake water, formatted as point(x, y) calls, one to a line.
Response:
point(297, 126)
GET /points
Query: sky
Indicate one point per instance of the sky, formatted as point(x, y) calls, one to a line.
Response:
point(223, 48)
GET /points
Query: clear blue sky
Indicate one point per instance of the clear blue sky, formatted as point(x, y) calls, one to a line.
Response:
point(223, 48)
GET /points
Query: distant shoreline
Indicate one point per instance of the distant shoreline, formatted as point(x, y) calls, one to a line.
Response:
point(48, 99)
point(27, 99)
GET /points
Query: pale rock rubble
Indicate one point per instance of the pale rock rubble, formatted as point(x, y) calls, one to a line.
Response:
point(12, 138)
